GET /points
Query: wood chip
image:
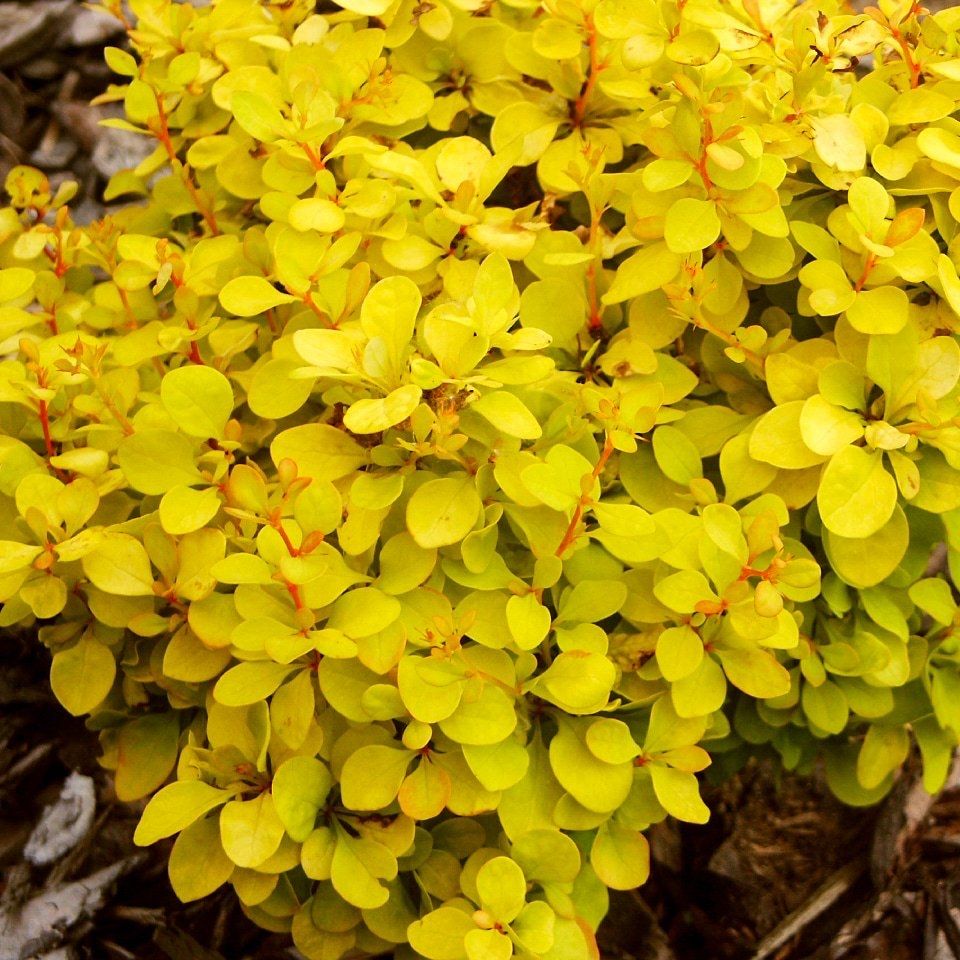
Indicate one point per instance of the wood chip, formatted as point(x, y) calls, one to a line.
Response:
point(43, 921)
point(821, 901)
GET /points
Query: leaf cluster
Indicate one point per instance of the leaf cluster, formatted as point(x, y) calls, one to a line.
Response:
point(480, 417)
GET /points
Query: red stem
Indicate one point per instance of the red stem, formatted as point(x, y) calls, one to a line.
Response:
point(571, 534)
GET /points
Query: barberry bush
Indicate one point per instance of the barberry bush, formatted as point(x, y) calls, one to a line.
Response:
point(478, 416)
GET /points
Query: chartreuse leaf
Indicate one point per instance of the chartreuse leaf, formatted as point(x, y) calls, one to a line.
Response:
point(300, 787)
point(508, 413)
point(250, 830)
point(119, 564)
point(319, 451)
point(458, 445)
point(579, 681)
point(372, 776)
point(357, 867)
point(547, 855)
point(175, 807)
point(146, 753)
point(596, 784)
point(620, 856)
point(372, 416)
point(248, 296)
point(502, 888)
point(440, 934)
point(199, 398)
point(82, 675)
point(755, 672)
point(679, 652)
point(198, 864)
point(884, 749)
point(857, 495)
point(183, 510)
point(443, 511)
point(691, 225)
point(678, 793)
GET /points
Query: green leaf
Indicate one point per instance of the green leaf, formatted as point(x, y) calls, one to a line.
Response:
point(857, 495)
point(444, 511)
point(199, 399)
point(826, 706)
point(883, 751)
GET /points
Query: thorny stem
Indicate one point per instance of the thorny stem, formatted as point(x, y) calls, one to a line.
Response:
point(908, 58)
point(45, 427)
point(285, 537)
point(162, 133)
point(294, 592)
point(867, 270)
point(312, 304)
point(701, 161)
point(593, 74)
point(128, 309)
point(125, 425)
point(585, 498)
point(596, 313)
point(315, 161)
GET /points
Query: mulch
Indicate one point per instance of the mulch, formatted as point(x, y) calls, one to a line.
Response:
point(782, 872)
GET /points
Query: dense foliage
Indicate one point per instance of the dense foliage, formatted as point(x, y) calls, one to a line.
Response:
point(483, 414)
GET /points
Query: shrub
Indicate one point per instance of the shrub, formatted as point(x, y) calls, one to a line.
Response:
point(432, 465)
